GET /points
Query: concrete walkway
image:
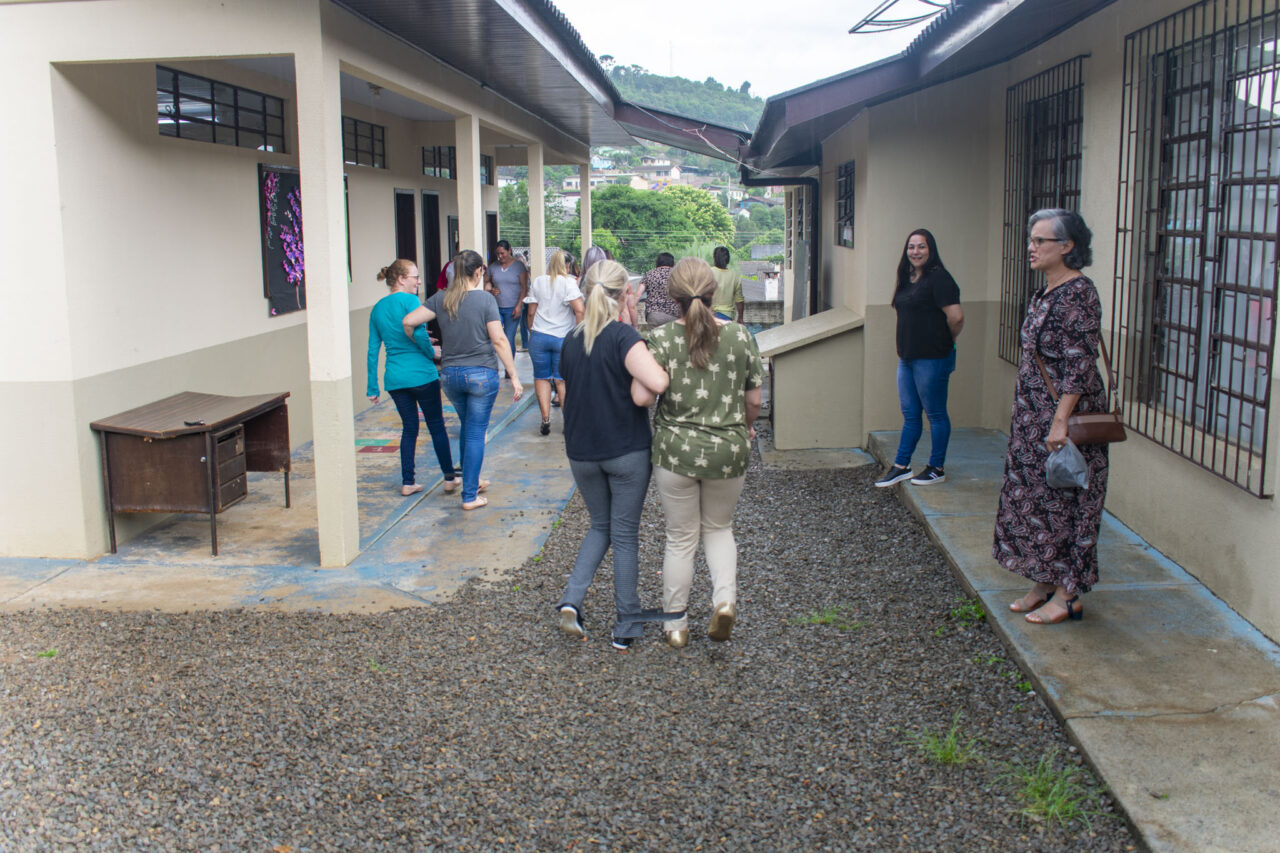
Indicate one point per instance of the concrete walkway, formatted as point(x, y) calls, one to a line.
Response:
point(1172, 696)
point(414, 551)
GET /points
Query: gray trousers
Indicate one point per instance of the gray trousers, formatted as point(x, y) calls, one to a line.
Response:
point(614, 491)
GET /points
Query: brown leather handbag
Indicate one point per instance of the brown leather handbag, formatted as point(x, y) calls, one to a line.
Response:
point(1092, 427)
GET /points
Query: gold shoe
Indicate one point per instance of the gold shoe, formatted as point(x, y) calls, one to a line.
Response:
point(722, 622)
point(678, 639)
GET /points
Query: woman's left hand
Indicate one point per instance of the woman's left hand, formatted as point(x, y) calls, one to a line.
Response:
point(1057, 435)
point(374, 398)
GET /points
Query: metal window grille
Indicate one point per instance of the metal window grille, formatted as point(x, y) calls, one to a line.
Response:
point(364, 143)
point(440, 161)
point(192, 107)
point(1043, 125)
point(844, 205)
point(1194, 315)
point(788, 229)
point(486, 170)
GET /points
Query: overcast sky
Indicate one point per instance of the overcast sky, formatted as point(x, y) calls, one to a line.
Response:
point(776, 46)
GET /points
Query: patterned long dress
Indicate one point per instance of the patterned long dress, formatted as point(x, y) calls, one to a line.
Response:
point(1051, 535)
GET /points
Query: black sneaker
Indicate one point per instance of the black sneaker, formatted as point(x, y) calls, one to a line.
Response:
point(546, 428)
point(623, 643)
point(928, 476)
point(896, 474)
point(571, 622)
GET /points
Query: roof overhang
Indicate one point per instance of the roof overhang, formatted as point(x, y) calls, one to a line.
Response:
point(700, 137)
point(967, 37)
point(544, 67)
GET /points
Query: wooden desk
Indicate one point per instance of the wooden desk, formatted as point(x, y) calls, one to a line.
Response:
point(191, 453)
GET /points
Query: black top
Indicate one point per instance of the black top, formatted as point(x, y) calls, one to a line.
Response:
point(922, 324)
point(600, 419)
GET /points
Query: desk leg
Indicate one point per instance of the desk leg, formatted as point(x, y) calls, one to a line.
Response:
point(286, 490)
point(211, 476)
point(106, 484)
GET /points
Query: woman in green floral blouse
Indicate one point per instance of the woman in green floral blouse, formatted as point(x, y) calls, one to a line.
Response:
point(701, 443)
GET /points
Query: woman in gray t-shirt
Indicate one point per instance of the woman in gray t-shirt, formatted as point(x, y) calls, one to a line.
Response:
point(472, 342)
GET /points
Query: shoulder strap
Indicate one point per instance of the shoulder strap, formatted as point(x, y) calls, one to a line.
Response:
point(1102, 348)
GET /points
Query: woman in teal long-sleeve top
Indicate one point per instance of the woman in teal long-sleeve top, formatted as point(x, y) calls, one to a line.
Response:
point(410, 376)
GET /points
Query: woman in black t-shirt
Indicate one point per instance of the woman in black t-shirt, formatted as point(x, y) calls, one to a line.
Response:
point(927, 301)
point(610, 379)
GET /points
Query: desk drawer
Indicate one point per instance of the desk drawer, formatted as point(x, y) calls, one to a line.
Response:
point(229, 469)
point(230, 443)
point(232, 491)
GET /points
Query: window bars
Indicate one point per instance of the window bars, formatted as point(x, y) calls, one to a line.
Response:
point(1043, 124)
point(844, 204)
point(193, 107)
point(1194, 314)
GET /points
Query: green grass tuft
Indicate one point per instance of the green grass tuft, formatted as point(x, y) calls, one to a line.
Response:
point(834, 616)
point(51, 653)
point(1051, 794)
point(951, 749)
point(968, 611)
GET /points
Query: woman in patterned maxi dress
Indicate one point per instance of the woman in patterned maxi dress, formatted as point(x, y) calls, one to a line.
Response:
point(1047, 535)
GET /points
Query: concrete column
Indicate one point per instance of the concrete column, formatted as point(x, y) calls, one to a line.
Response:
point(328, 307)
point(537, 213)
point(584, 204)
point(470, 204)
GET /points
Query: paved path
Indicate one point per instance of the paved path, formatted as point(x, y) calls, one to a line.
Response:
point(1172, 696)
point(415, 550)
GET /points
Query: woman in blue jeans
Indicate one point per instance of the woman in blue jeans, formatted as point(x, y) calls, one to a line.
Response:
point(410, 375)
point(473, 342)
point(610, 379)
point(927, 300)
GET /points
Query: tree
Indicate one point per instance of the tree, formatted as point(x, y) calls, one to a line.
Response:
point(643, 223)
point(745, 89)
point(709, 217)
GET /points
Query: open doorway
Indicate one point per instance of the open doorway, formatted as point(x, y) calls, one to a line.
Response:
point(406, 227)
point(432, 262)
point(490, 233)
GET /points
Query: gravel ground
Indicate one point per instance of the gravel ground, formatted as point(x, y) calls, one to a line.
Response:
point(477, 725)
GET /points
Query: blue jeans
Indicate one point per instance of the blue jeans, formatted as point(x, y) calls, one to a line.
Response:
point(544, 352)
point(472, 391)
point(524, 326)
point(613, 490)
point(407, 401)
point(922, 387)
point(510, 324)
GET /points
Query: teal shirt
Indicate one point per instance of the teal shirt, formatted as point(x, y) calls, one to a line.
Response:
point(409, 362)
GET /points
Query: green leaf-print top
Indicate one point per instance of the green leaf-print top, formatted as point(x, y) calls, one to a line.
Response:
point(700, 429)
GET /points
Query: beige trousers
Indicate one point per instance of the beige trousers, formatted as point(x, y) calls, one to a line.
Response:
point(696, 506)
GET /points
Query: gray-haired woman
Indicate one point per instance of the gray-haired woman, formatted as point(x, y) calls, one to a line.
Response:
point(1047, 535)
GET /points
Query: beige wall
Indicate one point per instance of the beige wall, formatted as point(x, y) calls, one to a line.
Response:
point(137, 257)
point(935, 159)
point(815, 394)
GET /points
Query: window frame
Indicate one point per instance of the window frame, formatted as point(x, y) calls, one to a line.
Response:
point(440, 161)
point(230, 117)
point(354, 130)
point(844, 203)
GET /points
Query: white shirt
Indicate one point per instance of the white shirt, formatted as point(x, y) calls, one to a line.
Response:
point(555, 314)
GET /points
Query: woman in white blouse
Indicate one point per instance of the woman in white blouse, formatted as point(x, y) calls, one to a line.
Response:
point(555, 307)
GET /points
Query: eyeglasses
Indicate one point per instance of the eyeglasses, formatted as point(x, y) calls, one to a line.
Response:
point(1040, 241)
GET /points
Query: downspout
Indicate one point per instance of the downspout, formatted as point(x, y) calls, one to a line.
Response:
point(812, 184)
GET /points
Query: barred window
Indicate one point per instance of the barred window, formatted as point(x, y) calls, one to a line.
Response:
point(844, 205)
point(364, 143)
point(440, 161)
point(192, 107)
point(1043, 124)
point(1197, 229)
point(486, 170)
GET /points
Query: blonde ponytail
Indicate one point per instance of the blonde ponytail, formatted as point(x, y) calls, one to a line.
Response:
point(692, 286)
point(604, 285)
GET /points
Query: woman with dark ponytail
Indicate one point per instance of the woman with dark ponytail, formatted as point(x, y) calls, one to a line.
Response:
point(473, 342)
point(609, 377)
point(410, 375)
point(701, 443)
